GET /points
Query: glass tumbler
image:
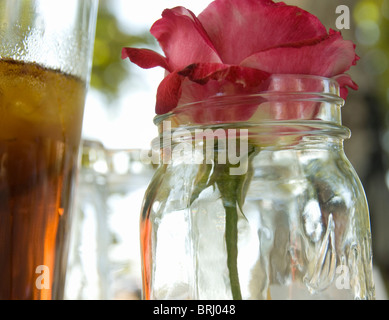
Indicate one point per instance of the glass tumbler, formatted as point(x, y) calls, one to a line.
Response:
point(45, 62)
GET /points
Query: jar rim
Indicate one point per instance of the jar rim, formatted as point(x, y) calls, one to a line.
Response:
point(312, 87)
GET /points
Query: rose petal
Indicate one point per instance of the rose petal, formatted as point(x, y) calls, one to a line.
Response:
point(192, 91)
point(202, 72)
point(211, 109)
point(282, 103)
point(323, 57)
point(168, 93)
point(245, 77)
point(345, 81)
point(183, 39)
point(145, 58)
point(239, 28)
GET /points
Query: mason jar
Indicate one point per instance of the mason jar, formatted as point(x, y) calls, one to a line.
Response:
point(254, 198)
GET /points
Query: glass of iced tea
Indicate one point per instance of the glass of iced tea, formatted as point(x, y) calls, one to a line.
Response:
point(45, 61)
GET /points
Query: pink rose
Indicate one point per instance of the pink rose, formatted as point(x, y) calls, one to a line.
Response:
point(233, 46)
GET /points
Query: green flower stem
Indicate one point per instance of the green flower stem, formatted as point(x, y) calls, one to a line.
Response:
point(229, 196)
point(233, 189)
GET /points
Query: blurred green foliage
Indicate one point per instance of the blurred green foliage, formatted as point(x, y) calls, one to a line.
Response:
point(384, 46)
point(109, 70)
point(372, 19)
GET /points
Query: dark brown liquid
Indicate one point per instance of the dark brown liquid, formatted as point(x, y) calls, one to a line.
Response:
point(40, 126)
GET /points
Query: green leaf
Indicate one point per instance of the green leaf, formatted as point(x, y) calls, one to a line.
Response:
point(202, 181)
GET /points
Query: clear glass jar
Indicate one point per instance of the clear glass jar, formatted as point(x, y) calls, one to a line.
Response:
point(254, 198)
point(104, 261)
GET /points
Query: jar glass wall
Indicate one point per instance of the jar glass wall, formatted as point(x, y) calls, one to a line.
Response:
point(254, 198)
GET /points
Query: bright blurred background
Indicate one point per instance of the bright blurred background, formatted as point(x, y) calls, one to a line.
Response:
point(119, 120)
point(122, 97)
